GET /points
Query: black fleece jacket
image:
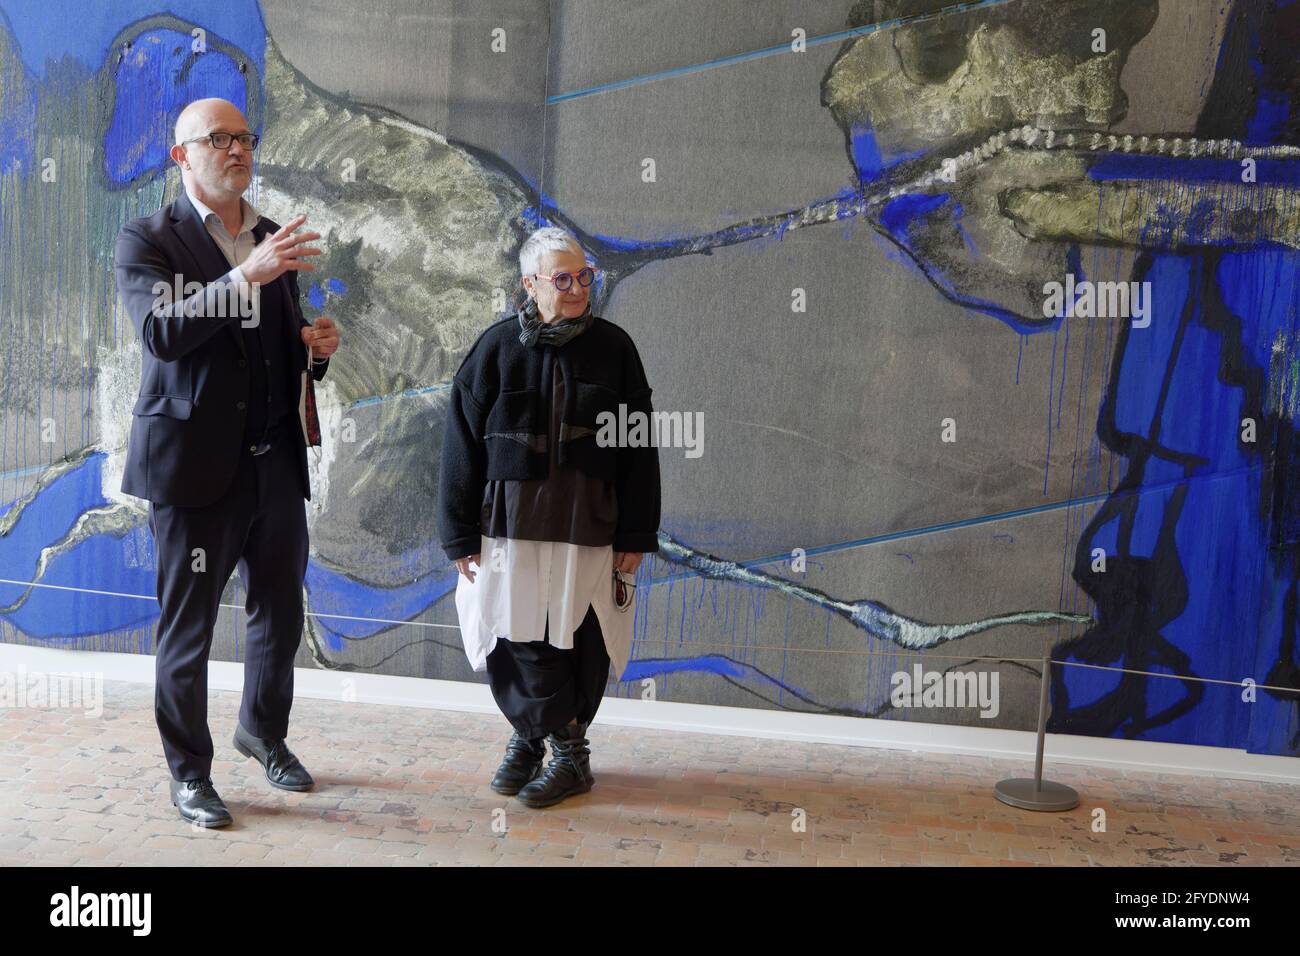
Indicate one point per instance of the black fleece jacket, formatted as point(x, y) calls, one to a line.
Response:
point(496, 428)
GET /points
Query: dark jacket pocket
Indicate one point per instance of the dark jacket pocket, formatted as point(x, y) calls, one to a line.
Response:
point(513, 412)
point(590, 399)
point(515, 417)
point(169, 405)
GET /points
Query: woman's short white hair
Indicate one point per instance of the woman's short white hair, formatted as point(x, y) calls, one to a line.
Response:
point(547, 239)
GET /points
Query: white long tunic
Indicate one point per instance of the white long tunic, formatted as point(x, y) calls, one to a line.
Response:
point(522, 584)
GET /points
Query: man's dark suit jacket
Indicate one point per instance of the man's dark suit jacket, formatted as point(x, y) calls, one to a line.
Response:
point(188, 432)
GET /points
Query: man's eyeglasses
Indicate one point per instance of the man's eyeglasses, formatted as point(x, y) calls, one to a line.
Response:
point(223, 140)
point(563, 281)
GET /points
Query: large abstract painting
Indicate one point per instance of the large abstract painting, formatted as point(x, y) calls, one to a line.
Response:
point(988, 312)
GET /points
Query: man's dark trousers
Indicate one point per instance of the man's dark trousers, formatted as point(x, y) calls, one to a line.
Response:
point(260, 527)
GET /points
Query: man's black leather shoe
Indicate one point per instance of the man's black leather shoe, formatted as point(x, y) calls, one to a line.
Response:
point(568, 773)
point(282, 768)
point(522, 763)
point(198, 803)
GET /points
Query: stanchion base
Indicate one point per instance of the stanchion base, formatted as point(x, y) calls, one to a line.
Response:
point(1023, 792)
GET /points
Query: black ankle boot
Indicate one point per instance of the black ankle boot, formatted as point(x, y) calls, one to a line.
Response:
point(522, 763)
point(568, 773)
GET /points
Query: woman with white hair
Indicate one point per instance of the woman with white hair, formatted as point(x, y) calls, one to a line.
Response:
point(552, 513)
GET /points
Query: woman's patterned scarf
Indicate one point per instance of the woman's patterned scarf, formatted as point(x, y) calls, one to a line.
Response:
point(534, 331)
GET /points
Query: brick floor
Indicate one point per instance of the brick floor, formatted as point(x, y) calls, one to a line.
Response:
point(405, 786)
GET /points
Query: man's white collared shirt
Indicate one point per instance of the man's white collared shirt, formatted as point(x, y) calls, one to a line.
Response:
point(236, 249)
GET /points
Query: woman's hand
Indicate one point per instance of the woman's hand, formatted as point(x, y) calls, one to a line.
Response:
point(627, 561)
point(462, 565)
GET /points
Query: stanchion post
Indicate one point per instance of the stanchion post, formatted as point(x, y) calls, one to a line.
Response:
point(1038, 794)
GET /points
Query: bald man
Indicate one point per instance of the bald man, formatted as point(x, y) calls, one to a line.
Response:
point(219, 443)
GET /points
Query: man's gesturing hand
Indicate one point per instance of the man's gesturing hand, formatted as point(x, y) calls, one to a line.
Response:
point(280, 252)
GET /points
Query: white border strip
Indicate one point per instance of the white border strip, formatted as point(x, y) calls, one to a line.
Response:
point(706, 718)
